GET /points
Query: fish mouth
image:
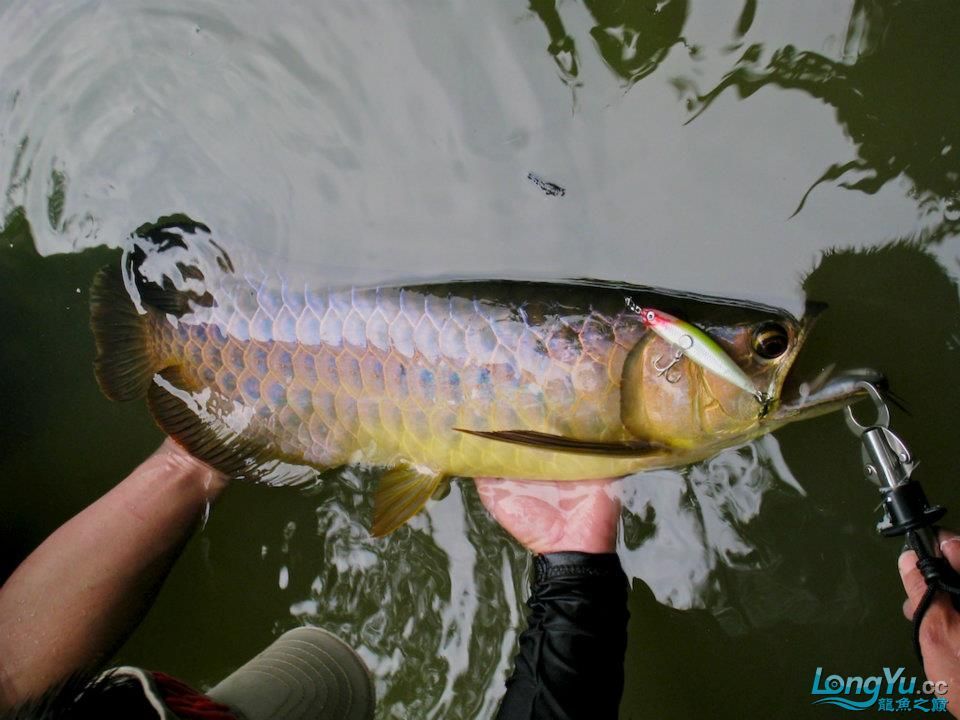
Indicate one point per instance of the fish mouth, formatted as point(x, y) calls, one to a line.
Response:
point(825, 393)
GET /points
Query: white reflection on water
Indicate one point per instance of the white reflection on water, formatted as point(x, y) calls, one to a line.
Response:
point(435, 608)
point(460, 613)
point(696, 519)
point(316, 145)
point(412, 604)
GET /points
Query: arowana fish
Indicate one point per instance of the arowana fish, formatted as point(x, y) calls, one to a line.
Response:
point(270, 380)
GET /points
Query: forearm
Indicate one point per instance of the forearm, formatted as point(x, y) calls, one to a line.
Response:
point(74, 600)
point(570, 663)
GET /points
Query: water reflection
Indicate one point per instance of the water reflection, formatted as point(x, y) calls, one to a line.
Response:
point(432, 609)
point(632, 38)
point(895, 92)
point(684, 531)
point(910, 330)
point(323, 153)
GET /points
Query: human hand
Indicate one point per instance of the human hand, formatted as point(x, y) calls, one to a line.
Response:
point(940, 630)
point(553, 516)
point(77, 597)
point(173, 461)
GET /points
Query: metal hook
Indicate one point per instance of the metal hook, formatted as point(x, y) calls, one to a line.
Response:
point(664, 371)
point(674, 378)
point(765, 400)
point(883, 412)
point(685, 343)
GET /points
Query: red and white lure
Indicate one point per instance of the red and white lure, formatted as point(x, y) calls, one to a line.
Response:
point(695, 344)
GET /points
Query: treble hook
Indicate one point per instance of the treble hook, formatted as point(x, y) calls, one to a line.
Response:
point(664, 371)
point(686, 342)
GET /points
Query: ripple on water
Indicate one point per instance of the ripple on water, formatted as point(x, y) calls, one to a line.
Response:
point(434, 609)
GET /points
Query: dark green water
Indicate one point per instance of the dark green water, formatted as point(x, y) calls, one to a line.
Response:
point(373, 143)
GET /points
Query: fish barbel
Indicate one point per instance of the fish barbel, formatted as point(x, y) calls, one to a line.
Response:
point(269, 380)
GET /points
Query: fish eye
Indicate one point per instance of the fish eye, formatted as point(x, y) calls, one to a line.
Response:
point(770, 340)
point(651, 316)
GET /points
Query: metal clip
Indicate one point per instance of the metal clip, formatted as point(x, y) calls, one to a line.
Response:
point(886, 459)
point(906, 511)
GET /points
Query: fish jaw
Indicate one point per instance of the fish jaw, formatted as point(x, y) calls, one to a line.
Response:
point(834, 393)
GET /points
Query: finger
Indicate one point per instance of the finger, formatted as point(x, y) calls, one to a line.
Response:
point(492, 492)
point(495, 492)
point(913, 582)
point(174, 452)
point(950, 547)
point(486, 487)
point(940, 620)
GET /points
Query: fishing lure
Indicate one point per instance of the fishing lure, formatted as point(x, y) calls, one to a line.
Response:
point(695, 344)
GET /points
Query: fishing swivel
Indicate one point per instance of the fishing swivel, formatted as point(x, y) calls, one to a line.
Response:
point(906, 510)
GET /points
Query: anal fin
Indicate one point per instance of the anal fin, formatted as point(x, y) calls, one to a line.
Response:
point(197, 420)
point(401, 494)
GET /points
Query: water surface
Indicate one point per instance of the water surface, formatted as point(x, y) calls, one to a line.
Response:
point(370, 142)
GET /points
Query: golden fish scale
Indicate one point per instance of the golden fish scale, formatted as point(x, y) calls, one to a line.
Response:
point(384, 376)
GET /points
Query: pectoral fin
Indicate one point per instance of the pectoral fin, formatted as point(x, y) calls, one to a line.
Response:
point(546, 441)
point(401, 494)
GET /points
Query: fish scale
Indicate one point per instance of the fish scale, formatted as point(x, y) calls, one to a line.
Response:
point(389, 373)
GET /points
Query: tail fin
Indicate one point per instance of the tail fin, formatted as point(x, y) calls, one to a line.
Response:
point(126, 356)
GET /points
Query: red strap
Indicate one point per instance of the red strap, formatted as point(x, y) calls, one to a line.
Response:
point(187, 703)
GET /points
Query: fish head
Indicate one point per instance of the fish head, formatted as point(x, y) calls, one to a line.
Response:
point(669, 398)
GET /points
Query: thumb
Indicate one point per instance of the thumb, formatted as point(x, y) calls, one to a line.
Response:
point(912, 580)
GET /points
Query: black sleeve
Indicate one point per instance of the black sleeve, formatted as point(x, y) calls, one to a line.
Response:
point(570, 663)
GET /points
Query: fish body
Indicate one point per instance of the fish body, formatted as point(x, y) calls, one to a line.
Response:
point(271, 380)
point(378, 376)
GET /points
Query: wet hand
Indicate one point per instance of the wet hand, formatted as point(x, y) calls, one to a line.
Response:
point(555, 516)
point(940, 631)
point(174, 462)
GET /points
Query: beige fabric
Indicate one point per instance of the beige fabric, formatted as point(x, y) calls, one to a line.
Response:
point(306, 674)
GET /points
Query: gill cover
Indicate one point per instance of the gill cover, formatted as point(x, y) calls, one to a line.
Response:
point(694, 407)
